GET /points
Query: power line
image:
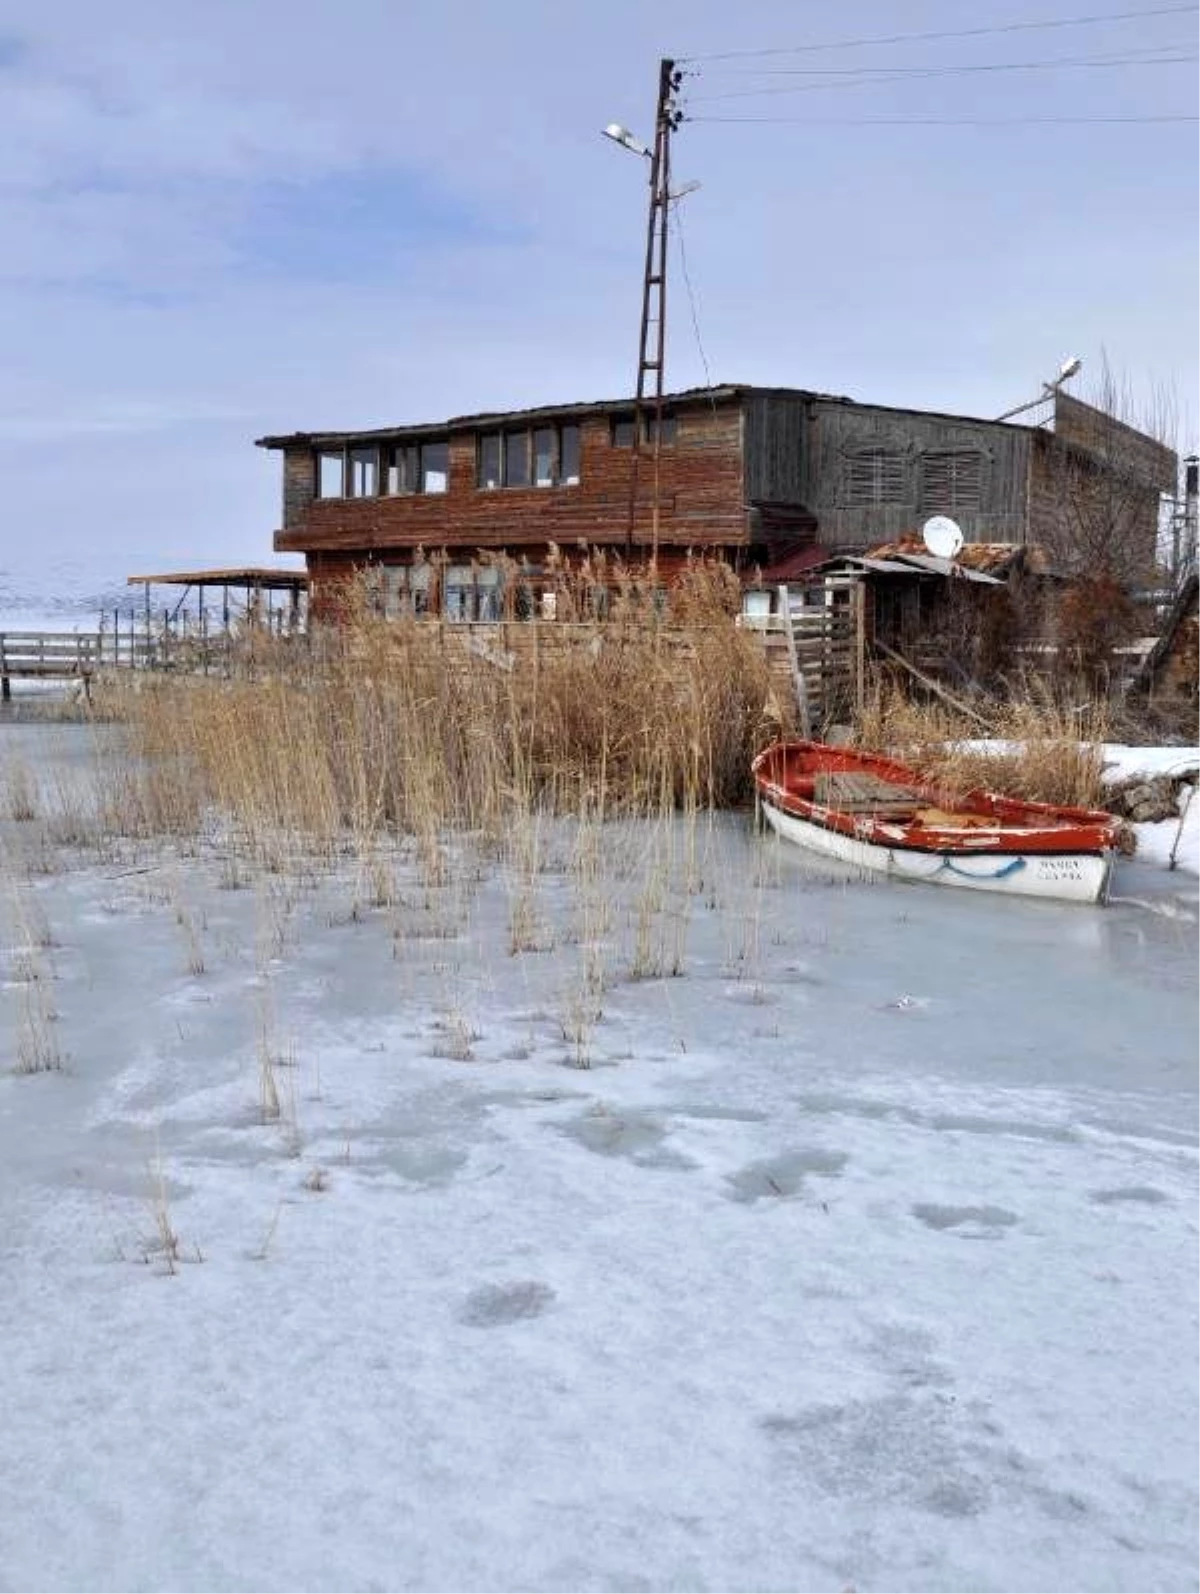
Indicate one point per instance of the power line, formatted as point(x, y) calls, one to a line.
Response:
point(683, 261)
point(865, 77)
point(944, 121)
point(1126, 54)
point(948, 33)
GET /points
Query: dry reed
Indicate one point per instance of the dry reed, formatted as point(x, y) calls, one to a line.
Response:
point(420, 726)
point(1041, 747)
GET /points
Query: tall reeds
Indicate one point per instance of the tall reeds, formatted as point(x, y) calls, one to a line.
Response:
point(416, 726)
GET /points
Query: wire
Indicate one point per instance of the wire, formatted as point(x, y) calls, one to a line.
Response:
point(947, 33)
point(1132, 54)
point(944, 121)
point(708, 382)
point(864, 77)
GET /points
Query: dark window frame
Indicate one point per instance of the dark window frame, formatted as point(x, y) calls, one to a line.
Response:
point(412, 473)
point(620, 432)
point(523, 438)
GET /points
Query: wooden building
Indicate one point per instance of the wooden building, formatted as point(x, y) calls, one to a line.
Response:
point(769, 479)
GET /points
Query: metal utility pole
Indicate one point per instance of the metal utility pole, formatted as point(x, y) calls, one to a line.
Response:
point(652, 343)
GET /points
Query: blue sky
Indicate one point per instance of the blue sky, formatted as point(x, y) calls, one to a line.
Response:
point(237, 218)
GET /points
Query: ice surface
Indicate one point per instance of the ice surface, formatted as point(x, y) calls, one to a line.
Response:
point(861, 1254)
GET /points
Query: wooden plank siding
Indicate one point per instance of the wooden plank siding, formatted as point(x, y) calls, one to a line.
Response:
point(752, 474)
point(844, 442)
point(699, 495)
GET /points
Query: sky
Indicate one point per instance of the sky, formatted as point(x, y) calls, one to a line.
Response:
point(244, 217)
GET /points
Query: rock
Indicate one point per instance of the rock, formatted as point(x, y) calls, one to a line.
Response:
point(1144, 800)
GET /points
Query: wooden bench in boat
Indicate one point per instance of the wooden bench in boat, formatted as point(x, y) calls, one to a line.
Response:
point(852, 792)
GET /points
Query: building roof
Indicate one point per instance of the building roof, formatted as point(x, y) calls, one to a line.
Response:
point(261, 577)
point(989, 558)
point(686, 398)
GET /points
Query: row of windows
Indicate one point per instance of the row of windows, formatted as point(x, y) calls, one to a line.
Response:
point(475, 593)
point(364, 472)
point(946, 480)
point(537, 456)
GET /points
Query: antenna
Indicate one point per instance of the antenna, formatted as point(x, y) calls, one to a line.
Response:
point(942, 536)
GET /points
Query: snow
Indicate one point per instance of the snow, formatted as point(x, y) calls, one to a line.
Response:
point(1122, 762)
point(862, 1254)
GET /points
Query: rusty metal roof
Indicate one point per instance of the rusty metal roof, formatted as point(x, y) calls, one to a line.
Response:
point(989, 558)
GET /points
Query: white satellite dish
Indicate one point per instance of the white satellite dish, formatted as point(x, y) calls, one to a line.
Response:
point(943, 536)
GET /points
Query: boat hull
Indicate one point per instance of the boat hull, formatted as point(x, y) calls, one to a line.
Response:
point(1066, 876)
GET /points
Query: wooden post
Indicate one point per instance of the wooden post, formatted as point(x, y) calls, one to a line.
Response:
point(799, 684)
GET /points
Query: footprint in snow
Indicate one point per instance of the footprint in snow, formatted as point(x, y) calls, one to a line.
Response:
point(972, 1223)
point(1143, 1193)
point(492, 1305)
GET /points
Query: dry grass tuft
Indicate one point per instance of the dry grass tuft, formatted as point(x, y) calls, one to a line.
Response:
point(1053, 751)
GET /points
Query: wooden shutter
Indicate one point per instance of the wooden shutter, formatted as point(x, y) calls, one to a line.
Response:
point(876, 476)
point(952, 480)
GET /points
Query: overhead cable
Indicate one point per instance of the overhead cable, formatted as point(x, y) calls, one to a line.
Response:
point(947, 33)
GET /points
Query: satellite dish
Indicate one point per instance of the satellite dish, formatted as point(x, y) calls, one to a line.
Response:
point(943, 536)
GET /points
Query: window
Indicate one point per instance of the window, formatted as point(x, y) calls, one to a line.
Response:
point(330, 466)
point(362, 470)
point(405, 590)
point(362, 473)
point(490, 472)
point(489, 592)
point(401, 469)
point(471, 593)
point(568, 456)
point(458, 592)
point(622, 430)
point(876, 476)
point(516, 459)
point(543, 457)
point(546, 456)
point(952, 480)
point(435, 467)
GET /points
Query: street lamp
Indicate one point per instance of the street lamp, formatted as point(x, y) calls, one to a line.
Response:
point(652, 350)
point(622, 135)
point(1066, 371)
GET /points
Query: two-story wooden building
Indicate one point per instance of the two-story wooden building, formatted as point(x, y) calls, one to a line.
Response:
point(768, 479)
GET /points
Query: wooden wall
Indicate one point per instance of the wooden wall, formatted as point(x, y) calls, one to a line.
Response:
point(838, 429)
point(700, 499)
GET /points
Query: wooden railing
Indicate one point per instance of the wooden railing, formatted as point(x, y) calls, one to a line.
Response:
point(79, 655)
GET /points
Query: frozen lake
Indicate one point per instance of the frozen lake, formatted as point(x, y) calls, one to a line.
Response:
point(858, 1252)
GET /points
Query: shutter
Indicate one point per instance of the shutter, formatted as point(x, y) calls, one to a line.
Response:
point(876, 476)
point(952, 480)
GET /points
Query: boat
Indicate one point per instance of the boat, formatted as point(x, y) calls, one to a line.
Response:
point(878, 815)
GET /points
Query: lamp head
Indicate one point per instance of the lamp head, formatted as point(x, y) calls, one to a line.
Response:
point(1069, 367)
point(622, 135)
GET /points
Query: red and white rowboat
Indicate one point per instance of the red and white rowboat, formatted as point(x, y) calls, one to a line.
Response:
point(879, 815)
